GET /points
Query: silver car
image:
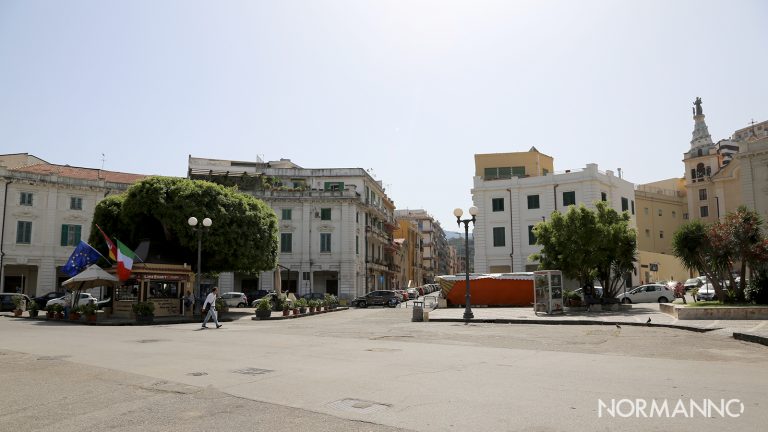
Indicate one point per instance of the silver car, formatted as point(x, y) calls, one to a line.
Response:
point(706, 293)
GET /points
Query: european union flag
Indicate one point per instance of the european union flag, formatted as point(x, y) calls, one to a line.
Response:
point(83, 256)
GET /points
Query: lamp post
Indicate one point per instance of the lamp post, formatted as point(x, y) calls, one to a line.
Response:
point(192, 221)
point(473, 212)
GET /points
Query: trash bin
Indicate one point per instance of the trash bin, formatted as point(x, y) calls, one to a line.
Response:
point(418, 311)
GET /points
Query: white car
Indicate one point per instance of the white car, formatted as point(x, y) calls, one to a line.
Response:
point(650, 293)
point(235, 299)
point(85, 298)
point(706, 292)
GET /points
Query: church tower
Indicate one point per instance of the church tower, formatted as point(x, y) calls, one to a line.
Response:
point(701, 162)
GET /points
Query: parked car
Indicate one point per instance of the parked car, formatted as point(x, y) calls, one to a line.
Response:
point(692, 283)
point(6, 301)
point(234, 299)
point(43, 299)
point(598, 292)
point(85, 298)
point(412, 293)
point(377, 298)
point(647, 294)
point(706, 292)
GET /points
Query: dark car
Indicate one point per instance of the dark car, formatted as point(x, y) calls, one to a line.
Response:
point(377, 298)
point(43, 299)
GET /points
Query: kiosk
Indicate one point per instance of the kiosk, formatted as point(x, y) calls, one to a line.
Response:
point(548, 291)
point(162, 284)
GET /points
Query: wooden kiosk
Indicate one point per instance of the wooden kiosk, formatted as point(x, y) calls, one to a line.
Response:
point(162, 284)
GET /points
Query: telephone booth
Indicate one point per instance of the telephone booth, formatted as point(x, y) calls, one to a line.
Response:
point(548, 291)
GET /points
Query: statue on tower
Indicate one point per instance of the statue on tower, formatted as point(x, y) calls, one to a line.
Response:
point(697, 103)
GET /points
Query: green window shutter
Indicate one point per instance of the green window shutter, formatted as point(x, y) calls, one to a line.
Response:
point(531, 235)
point(518, 171)
point(498, 237)
point(64, 234)
point(505, 172)
point(78, 231)
point(533, 201)
point(325, 214)
point(490, 173)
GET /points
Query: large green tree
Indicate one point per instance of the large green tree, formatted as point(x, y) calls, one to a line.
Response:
point(587, 245)
point(243, 236)
point(720, 249)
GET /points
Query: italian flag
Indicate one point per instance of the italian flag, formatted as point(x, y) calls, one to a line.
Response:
point(125, 257)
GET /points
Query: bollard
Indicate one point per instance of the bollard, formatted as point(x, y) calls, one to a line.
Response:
point(418, 311)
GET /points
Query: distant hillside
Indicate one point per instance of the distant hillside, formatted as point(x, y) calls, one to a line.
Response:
point(453, 234)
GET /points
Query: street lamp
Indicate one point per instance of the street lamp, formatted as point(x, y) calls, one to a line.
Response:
point(473, 212)
point(192, 221)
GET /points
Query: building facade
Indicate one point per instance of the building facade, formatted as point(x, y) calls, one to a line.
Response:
point(515, 191)
point(335, 224)
point(407, 235)
point(434, 246)
point(47, 209)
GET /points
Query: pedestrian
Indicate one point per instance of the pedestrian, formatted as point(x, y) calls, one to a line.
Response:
point(210, 306)
point(67, 303)
point(680, 291)
point(588, 294)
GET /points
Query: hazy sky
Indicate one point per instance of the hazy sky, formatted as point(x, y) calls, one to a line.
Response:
point(410, 89)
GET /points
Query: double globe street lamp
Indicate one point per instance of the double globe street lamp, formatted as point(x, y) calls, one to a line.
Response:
point(473, 212)
point(207, 222)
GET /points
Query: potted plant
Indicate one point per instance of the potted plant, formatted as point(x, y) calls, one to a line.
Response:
point(18, 302)
point(32, 308)
point(312, 306)
point(295, 308)
point(331, 301)
point(145, 311)
point(286, 308)
point(264, 309)
point(302, 305)
point(221, 308)
point(58, 311)
point(89, 311)
point(74, 313)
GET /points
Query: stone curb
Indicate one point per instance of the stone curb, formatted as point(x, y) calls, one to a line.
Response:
point(572, 322)
point(751, 338)
point(281, 317)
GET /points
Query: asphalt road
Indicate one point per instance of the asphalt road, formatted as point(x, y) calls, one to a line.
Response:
point(372, 369)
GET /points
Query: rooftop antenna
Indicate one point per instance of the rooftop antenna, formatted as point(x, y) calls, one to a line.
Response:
point(619, 170)
point(103, 158)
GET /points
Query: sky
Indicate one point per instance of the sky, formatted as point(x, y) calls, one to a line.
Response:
point(407, 89)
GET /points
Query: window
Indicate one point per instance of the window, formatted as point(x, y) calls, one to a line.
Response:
point(497, 204)
point(357, 245)
point(334, 186)
point(325, 242)
point(645, 211)
point(704, 211)
point(498, 237)
point(287, 214)
point(75, 203)
point(325, 214)
point(25, 198)
point(661, 234)
point(633, 206)
point(702, 194)
point(305, 276)
point(659, 212)
point(674, 214)
point(286, 242)
point(70, 235)
point(685, 216)
point(624, 204)
point(603, 196)
point(647, 232)
point(533, 201)
point(544, 171)
point(531, 235)
point(569, 198)
point(497, 173)
point(518, 171)
point(24, 232)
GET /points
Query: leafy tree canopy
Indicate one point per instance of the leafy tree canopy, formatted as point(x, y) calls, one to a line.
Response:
point(587, 245)
point(242, 238)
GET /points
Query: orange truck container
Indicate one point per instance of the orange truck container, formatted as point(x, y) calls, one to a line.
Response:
point(501, 289)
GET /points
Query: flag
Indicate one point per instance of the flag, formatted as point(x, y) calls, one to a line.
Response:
point(125, 257)
point(83, 256)
point(110, 245)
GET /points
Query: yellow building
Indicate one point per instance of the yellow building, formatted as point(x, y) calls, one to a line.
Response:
point(407, 235)
point(493, 166)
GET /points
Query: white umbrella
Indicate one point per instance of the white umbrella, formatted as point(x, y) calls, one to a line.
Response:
point(91, 277)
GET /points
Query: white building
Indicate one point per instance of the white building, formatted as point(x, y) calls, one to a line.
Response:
point(335, 226)
point(510, 206)
point(46, 210)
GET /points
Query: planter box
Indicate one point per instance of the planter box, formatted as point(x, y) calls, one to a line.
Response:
point(715, 313)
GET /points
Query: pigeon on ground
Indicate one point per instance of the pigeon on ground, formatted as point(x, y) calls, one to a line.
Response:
point(648, 322)
point(618, 326)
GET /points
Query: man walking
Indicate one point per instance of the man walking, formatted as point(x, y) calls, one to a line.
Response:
point(210, 306)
